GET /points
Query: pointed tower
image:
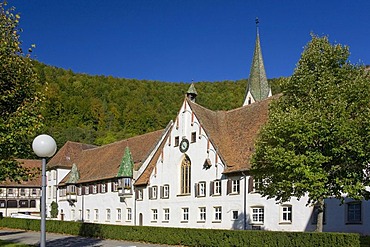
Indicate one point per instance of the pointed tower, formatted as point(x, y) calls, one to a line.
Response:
point(258, 88)
point(191, 93)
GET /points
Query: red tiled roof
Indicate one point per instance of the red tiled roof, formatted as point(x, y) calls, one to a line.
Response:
point(34, 165)
point(103, 162)
point(67, 155)
point(234, 132)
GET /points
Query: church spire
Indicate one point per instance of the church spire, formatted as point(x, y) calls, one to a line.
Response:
point(192, 93)
point(258, 88)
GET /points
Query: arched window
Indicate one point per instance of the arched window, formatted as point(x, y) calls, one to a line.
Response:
point(185, 175)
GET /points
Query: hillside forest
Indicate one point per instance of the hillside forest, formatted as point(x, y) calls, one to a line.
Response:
point(103, 109)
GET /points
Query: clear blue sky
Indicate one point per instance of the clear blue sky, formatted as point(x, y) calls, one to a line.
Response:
point(181, 40)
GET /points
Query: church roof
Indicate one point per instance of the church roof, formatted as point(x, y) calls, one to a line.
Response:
point(234, 132)
point(257, 82)
point(103, 162)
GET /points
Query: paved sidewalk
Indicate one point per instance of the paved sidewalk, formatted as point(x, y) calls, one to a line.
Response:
point(60, 240)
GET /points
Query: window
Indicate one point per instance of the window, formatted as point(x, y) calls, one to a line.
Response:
point(185, 175)
point(34, 191)
point(185, 214)
point(2, 204)
point(73, 214)
point(215, 189)
point(49, 192)
point(166, 214)
point(107, 214)
point(202, 214)
point(258, 215)
point(193, 137)
point(235, 214)
point(119, 214)
point(79, 190)
point(23, 203)
point(115, 186)
point(32, 203)
point(354, 212)
point(94, 189)
point(129, 214)
point(49, 176)
point(54, 191)
point(233, 186)
point(23, 192)
point(104, 188)
point(153, 192)
point(139, 194)
point(177, 141)
point(218, 213)
point(10, 191)
point(286, 213)
point(154, 214)
point(88, 214)
point(165, 191)
point(200, 189)
point(257, 184)
point(87, 188)
point(12, 204)
point(96, 215)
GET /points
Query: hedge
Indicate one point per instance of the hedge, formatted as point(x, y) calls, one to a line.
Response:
point(189, 236)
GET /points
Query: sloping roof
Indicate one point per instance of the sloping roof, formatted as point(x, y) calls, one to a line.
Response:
point(103, 162)
point(234, 132)
point(31, 164)
point(67, 155)
point(145, 176)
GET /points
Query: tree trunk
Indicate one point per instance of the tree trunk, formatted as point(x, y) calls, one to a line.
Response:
point(320, 215)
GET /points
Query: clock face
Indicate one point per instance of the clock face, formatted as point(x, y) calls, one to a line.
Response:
point(184, 145)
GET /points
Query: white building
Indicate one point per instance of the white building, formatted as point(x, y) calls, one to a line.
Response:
point(195, 173)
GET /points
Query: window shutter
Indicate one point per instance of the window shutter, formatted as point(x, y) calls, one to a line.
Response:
point(250, 184)
point(211, 188)
point(196, 190)
point(229, 184)
point(91, 189)
point(162, 191)
point(150, 193)
point(136, 194)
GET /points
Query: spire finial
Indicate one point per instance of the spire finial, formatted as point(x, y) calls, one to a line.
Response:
point(257, 21)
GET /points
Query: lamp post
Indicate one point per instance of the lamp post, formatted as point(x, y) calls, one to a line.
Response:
point(44, 146)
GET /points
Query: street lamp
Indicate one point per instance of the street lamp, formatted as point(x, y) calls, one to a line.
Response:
point(44, 146)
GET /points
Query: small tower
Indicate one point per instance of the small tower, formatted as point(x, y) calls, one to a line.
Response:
point(191, 93)
point(258, 88)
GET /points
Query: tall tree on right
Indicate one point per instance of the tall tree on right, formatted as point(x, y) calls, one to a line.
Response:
point(317, 139)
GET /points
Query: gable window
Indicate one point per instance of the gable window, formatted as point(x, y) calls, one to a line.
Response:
point(286, 213)
point(165, 191)
point(185, 175)
point(154, 214)
point(218, 213)
point(354, 212)
point(166, 214)
point(258, 215)
point(153, 193)
point(185, 214)
point(233, 186)
point(202, 214)
point(177, 141)
point(193, 137)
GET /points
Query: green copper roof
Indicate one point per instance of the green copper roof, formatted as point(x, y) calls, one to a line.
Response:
point(127, 165)
point(192, 90)
point(74, 175)
point(257, 82)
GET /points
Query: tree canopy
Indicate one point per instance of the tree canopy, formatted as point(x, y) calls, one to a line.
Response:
point(19, 99)
point(317, 139)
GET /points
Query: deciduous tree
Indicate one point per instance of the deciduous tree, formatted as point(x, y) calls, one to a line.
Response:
point(19, 100)
point(317, 139)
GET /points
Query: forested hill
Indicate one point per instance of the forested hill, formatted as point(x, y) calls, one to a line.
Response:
point(103, 109)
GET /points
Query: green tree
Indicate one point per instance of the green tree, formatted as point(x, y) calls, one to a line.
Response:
point(54, 209)
point(19, 100)
point(317, 139)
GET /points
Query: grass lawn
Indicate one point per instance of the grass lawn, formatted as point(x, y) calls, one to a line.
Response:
point(10, 244)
